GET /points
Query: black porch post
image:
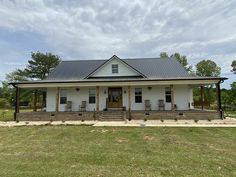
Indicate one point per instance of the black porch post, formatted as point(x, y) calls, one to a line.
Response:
point(202, 96)
point(35, 101)
point(219, 99)
point(17, 103)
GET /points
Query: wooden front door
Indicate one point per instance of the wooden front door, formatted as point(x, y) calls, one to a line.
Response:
point(115, 97)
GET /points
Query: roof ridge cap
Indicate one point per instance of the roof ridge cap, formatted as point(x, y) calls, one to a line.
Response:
point(83, 60)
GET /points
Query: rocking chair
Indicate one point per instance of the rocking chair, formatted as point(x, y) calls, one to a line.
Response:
point(147, 105)
point(83, 106)
point(161, 105)
point(69, 106)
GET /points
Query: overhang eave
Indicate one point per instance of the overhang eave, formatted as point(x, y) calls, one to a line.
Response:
point(89, 83)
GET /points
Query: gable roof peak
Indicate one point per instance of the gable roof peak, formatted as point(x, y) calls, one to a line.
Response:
point(114, 56)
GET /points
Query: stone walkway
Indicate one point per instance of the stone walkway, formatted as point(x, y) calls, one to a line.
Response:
point(228, 122)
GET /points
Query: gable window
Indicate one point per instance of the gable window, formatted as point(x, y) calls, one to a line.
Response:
point(138, 95)
point(114, 68)
point(92, 96)
point(168, 94)
point(63, 96)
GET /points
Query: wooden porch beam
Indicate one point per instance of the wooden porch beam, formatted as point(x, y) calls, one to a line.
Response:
point(57, 99)
point(97, 98)
point(172, 98)
point(129, 98)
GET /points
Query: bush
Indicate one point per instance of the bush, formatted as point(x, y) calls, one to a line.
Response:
point(3, 103)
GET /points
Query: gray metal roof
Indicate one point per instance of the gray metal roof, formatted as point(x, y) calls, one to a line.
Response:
point(150, 67)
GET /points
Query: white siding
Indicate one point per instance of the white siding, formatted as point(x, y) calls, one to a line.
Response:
point(191, 97)
point(51, 99)
point(78, 96)
point(182, 96)
point(103, 95)
point(123, 70)
point(125, 97)
point(154, 94)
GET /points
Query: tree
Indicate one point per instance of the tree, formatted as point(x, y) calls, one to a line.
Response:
point(7, 94)
point(181, 59)
point(233, 93)
point(18, 75)
point(234, 66)
point(207, 68)
point(41, 65)
point(163, 55)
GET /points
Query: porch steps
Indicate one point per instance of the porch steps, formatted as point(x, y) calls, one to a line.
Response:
point(112, 116)
point(115, 109)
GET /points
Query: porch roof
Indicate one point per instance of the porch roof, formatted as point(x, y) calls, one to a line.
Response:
point(119, 82)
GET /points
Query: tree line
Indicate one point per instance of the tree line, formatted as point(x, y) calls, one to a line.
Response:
point(208, 68)
point(41, 64)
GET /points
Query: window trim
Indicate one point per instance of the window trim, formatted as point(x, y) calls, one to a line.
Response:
point(168, 94)
point(114, 68)
point(92, 95)
point(63, 95)
point(138, 95)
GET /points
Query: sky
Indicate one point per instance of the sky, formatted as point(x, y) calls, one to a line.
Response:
point(98, 29)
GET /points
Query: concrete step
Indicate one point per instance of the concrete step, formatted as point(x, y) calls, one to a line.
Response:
point(112, 116)
point(111, 119)
point(115, 109)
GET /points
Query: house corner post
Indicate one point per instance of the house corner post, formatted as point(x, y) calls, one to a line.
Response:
point(17, 103)
point(57, 99)
point(97, 98)
point(219, 99)
point(172, 98)
point(202, 97)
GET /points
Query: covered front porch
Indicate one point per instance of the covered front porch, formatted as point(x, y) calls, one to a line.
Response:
point(129, 100)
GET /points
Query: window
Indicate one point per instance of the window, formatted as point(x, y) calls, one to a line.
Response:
point(168, 94)
point(114, 68)
point(138, 95)
point(63, 96)
point(92, 96)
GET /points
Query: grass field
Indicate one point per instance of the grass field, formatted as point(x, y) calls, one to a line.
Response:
point(73, 151)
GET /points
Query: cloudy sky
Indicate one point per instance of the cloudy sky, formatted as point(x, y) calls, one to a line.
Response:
point(94, 29)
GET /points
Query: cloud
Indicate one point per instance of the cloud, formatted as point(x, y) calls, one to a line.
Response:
point(141, 28)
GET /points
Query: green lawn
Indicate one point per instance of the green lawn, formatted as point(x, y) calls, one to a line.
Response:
point(73, 151)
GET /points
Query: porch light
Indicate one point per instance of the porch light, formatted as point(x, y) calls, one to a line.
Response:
point(149, 88)
point(77, 89)
point(105, 92)
point(124, 91)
